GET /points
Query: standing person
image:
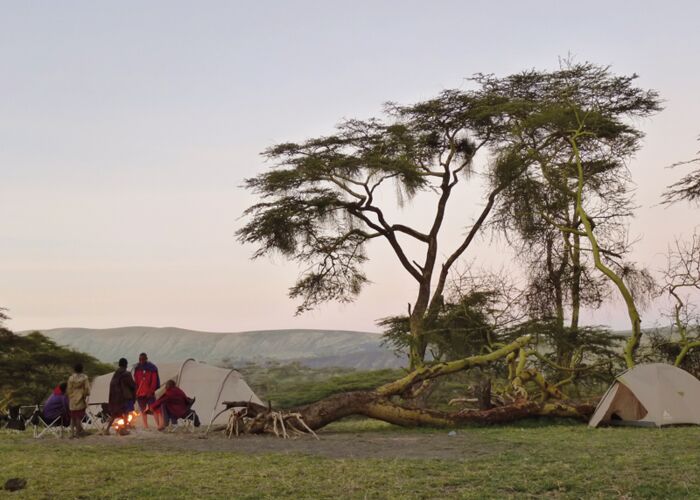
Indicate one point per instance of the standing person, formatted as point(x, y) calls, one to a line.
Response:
point(122, 390)
point(78, 390)
point(147, 381)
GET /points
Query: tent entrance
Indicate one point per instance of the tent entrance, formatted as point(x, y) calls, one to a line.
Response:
point(625, 407)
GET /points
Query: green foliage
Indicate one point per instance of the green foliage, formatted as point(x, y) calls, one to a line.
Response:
point(662, 347)
point(587, 357)
point(293, 384)
point(32, 365)
point(319, 202)
point(458, 330)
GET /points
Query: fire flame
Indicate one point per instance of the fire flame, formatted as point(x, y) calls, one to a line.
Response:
point(125, 423)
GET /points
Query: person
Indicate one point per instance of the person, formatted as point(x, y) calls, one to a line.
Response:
point(56, 406)
point(78, 390)
point(122, 390)
point(173, 404)
point(147, 381)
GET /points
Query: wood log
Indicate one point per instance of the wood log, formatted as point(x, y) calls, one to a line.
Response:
point(378, 403)
point(370, 404)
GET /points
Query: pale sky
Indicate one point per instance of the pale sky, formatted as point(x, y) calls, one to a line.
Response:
point(127, 128)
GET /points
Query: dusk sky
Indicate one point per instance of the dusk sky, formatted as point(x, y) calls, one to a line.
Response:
point(127, 128)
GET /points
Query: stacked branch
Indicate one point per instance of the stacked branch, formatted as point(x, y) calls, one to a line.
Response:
point(258, 419)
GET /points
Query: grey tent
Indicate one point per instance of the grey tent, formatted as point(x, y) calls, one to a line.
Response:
point(209, 385)
point(653, 394)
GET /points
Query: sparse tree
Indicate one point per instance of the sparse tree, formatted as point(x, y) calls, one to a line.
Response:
point(681, 278)
point(686, 189)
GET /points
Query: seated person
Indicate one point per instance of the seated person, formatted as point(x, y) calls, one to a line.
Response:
point(57, 406)
point(174, 404)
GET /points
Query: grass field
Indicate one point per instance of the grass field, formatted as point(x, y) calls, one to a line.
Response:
point(361, 459)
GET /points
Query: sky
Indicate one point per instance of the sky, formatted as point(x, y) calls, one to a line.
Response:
point(127, 129)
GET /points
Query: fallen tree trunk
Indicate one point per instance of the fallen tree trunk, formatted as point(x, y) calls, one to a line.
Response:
point(370, 404)
point(379, 403)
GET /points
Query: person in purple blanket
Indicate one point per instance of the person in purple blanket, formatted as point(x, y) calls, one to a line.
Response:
point(57, 406)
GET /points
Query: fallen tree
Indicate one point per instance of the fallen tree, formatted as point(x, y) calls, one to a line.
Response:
point(385, 402)
point(370, 404)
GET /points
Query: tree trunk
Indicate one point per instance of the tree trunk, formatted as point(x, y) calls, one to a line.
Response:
point(483, 394)
point(632, 311)
point(378, 403)
point(370, 404)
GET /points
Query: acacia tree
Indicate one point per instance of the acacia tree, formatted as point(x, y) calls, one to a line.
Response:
point(578, 184)
point(321, 201)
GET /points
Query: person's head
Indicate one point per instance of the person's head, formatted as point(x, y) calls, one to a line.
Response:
point(78, 368)
point(170, 384)
point(143, 358)
point(62, 387)
point(123, 363)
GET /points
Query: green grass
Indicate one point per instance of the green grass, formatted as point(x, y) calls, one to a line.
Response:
point(559, 461)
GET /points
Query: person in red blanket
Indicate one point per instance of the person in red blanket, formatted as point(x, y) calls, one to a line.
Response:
point(147, 381)
point(173, 404)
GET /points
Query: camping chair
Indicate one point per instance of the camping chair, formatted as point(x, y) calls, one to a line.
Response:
point(97, 416)
point(41, 425)
point(191, 419)
point(15, 419)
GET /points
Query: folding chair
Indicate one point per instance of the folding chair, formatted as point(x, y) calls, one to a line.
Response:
point(96, 416)
point(41, 426)
point(15, 419)
point(190, 420)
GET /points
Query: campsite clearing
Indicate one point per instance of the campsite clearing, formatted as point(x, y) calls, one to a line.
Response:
point(360, 459)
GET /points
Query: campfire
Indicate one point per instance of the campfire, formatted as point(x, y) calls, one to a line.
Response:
point(123, 424)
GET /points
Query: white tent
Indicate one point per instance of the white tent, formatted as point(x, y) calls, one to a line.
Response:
point(654, 394)
point(210, 385)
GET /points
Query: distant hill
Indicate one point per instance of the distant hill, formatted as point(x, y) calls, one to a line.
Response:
point(314, 348)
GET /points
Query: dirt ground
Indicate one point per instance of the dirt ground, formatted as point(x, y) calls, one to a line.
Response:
point(385, 444)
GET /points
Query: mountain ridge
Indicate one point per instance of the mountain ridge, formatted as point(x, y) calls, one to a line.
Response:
point(311, 347)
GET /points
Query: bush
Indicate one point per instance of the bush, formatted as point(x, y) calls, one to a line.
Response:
point(32, 365)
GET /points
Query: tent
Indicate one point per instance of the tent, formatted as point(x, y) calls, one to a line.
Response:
point(210, 385)
point(653, 394)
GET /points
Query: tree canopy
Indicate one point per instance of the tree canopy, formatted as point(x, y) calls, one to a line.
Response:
point(320, 203)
